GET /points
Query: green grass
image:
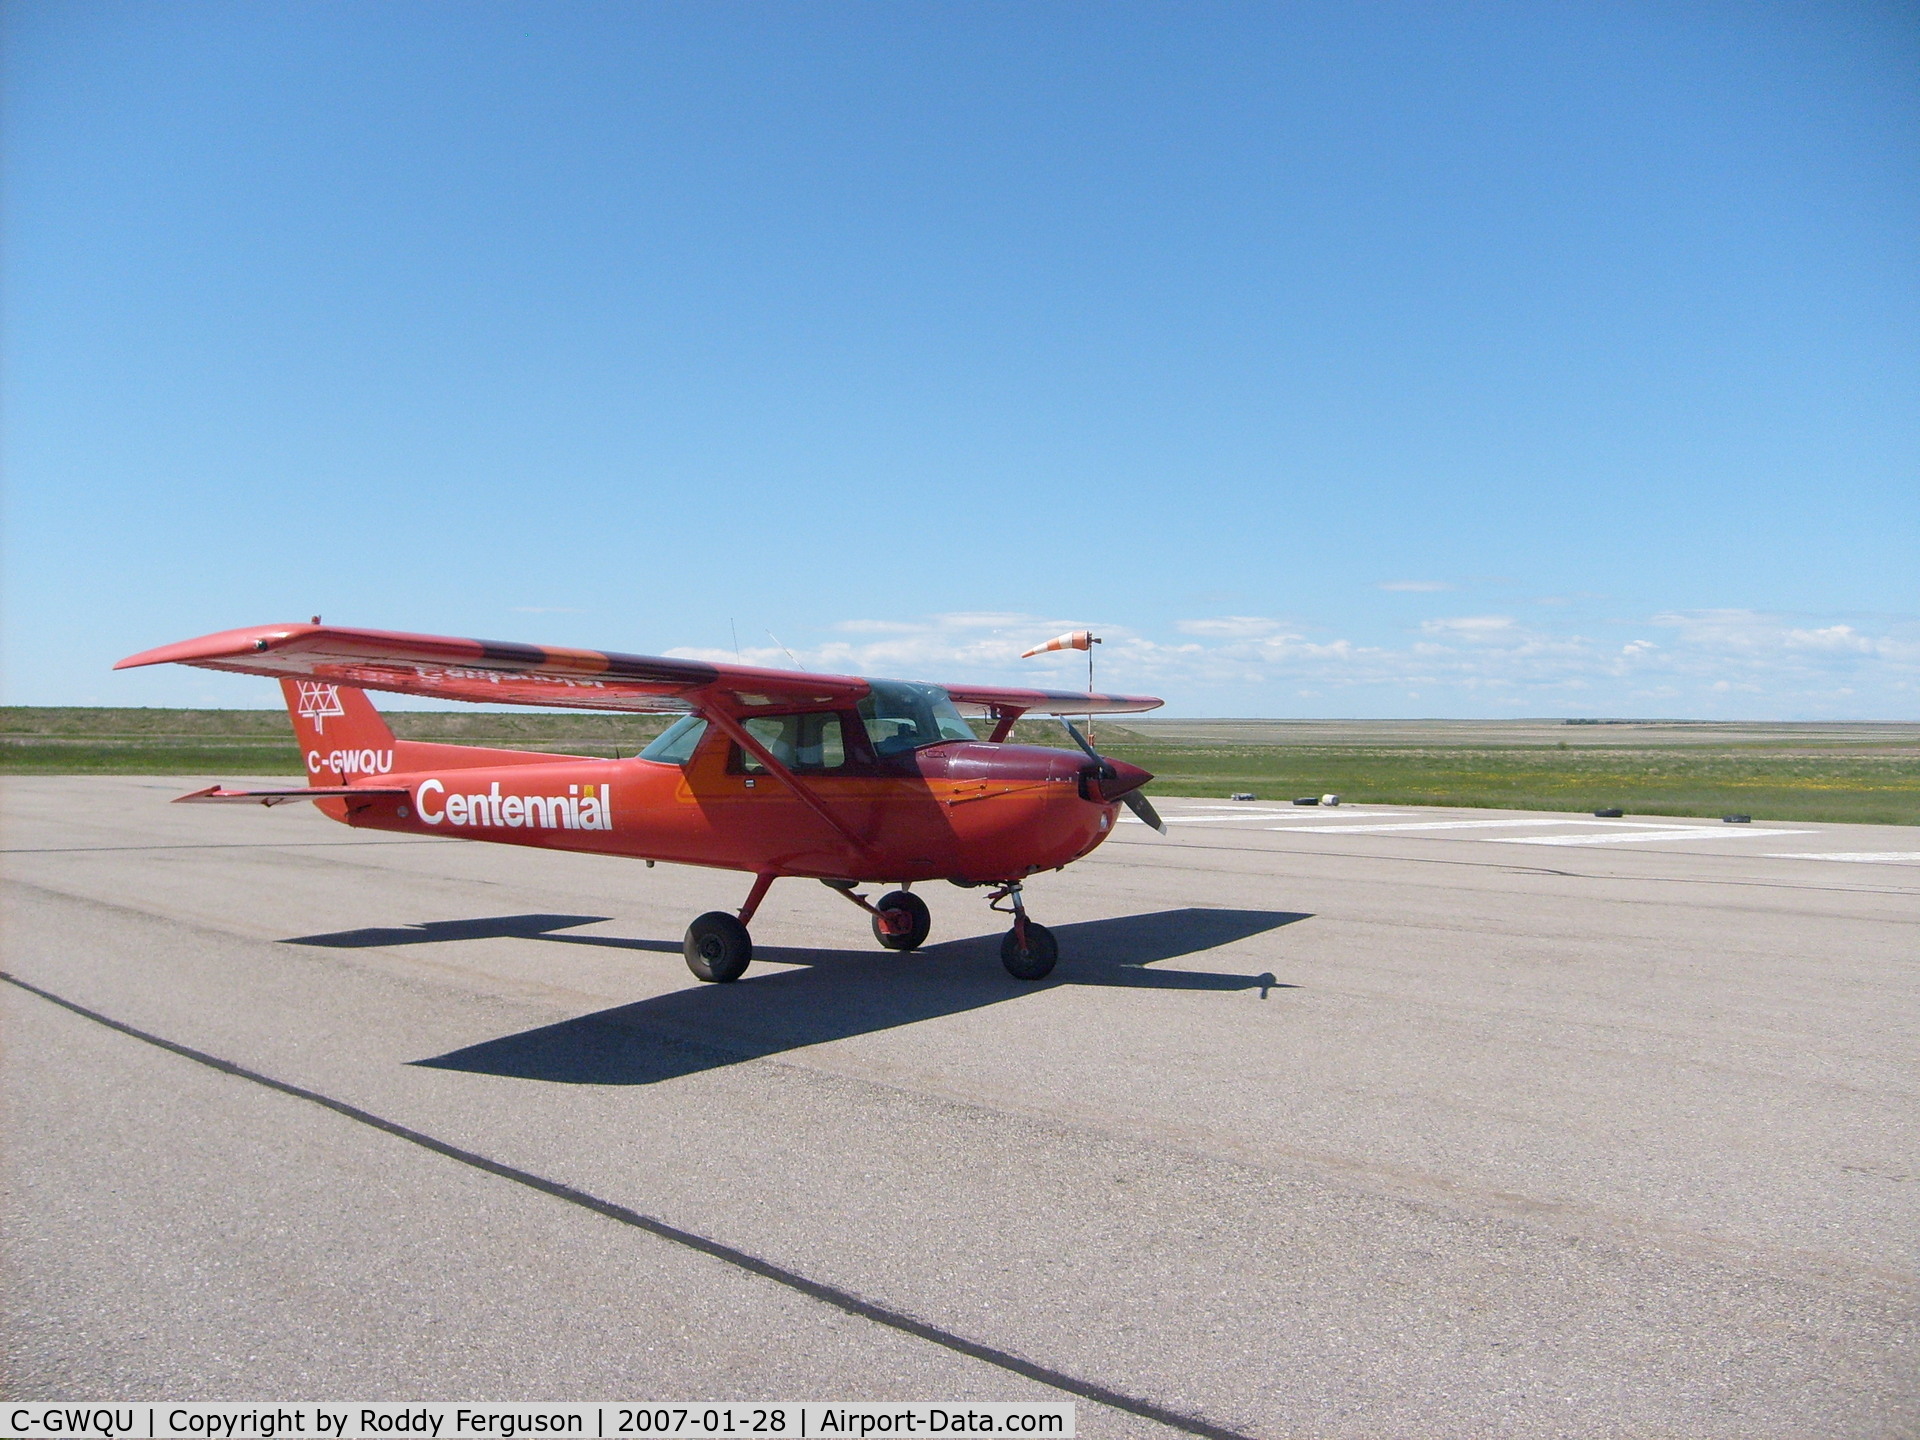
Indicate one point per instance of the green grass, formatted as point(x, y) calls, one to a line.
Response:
point(1796, 777)
point(163, 756)
point(1879, 789)
point(50, 740)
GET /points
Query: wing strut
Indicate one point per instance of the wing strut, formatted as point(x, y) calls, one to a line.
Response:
point(738, 733)
point(1004, 718)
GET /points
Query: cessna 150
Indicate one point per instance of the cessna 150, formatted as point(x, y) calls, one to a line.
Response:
point(773, 772)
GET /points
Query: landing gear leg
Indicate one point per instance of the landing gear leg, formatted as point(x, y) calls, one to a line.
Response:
point(1028, 950)
point(718, 947)
point(761, 884)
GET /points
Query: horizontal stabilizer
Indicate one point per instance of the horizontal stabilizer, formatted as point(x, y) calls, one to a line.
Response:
point(220, 795)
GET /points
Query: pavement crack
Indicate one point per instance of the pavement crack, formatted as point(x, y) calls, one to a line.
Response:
point(831, 1295)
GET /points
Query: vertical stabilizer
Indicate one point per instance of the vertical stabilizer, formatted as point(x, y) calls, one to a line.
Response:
point(343, 739)
point(341, 736)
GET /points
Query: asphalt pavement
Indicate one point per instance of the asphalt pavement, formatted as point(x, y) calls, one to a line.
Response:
point(1354, 1122)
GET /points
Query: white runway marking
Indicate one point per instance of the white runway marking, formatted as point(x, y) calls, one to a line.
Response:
point(1263, 815)
point(1309, 812)
point(1272, 815)
point(1536, 821)
point(1672, 832)
point(1864, 857)
point(1199, 819)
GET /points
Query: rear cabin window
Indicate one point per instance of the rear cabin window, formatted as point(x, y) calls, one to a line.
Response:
point(812, 744)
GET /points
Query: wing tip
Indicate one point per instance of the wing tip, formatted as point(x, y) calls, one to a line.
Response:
point(222, 644)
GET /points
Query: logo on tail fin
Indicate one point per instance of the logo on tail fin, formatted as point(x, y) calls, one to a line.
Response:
point(317, 702)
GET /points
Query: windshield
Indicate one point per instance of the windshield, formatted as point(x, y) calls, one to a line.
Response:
point(901, 716)
point(675, 745)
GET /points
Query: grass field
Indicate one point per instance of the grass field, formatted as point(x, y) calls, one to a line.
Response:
point(1863, 773)
point(76, 741)
point(1872, 789)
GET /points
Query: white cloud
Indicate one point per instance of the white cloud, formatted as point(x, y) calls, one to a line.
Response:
point(1757, 632)
point(989, 620)
point(1469, 627)
point(1419, 586)
point(1834, 637)
point(1234, 625)
point(1707, 662)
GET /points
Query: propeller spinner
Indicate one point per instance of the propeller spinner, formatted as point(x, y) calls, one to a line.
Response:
point(1117, 780)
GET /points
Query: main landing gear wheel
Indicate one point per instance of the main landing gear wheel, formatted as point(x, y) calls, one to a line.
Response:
point(717, 947)
point(911, 934)
point(1033, 960)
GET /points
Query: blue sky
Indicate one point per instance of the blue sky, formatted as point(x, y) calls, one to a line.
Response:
point(1340, 359)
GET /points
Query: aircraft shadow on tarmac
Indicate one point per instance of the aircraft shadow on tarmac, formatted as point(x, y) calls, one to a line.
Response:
point(825, 995)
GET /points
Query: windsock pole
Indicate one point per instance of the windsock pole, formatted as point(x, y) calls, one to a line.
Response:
point(1072, 640)
point(1092, 640)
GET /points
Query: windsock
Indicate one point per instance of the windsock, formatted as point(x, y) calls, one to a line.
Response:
point(1074, 640)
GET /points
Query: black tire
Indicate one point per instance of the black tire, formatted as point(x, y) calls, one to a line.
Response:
point(1035, 962)
point(717, 947)
point(916, 935)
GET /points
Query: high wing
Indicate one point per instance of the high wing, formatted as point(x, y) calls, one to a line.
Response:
point(1002, 699)
point(493, 672)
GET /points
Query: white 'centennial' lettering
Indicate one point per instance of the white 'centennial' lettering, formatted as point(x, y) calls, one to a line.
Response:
point(489, 809)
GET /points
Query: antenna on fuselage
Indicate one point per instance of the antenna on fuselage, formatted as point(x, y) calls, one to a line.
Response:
point(788, 653)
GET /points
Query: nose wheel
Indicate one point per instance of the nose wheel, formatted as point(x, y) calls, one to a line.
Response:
point(1028, 950)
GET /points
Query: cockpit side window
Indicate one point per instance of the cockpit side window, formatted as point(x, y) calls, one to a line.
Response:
point(675, 745)
point(810, 744)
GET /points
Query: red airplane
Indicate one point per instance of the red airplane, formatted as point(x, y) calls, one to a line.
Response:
point(774, 772)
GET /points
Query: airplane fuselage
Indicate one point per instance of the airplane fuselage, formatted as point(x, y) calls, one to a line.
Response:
point(974, 812)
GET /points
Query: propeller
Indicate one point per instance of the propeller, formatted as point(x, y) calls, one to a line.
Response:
point(1111, 775)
